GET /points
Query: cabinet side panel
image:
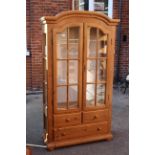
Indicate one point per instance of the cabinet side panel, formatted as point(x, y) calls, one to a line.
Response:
point(50, 79)
point(111, 73)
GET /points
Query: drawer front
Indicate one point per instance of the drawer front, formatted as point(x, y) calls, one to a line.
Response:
point(67, 133)
point(67, 120)
point(95, 116)
point(81, 131)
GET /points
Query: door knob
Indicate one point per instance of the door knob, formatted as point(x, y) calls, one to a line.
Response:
point(95, 117)
point(67, 120)
point(99, 129)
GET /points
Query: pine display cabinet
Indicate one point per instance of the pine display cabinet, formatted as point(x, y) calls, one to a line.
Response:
point(78, 51)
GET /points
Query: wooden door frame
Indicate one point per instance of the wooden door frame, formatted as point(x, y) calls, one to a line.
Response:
point(55, 31)
point(108, 32)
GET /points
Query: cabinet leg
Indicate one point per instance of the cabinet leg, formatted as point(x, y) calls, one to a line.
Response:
point(50, 149)
point(110, 137)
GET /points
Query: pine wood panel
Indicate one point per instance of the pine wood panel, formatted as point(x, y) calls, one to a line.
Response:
point(81, 131)
point(64, 120)
point(95, 116)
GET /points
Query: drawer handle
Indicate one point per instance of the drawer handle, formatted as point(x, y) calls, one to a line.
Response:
point(63, 134)
point(67, 120)
point(95, 117)
point(99, 129)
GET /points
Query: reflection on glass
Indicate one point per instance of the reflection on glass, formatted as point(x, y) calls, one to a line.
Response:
point(90, 95)
point(62, 72)
point(101, 71)
point(62, 51)
point(91, 70)
point(81, 7)
point(73, 42)
point(102, 52)
point(73, 50)
point(102, 44)
point(100, 97)
point(73, 33)
point(93, 33)
point(92, 49)
point(73, 96)
point(62, 97)
point(92, 42)
point(62, 37)
point(73, 71)
point(62, 45)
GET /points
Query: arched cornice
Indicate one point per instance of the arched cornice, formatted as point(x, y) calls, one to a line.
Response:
point(74, 14)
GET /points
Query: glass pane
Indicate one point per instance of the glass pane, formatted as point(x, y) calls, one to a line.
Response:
point(62, 51)
point(73, 71)
point(81, 7)
point(73, 50)
point(100, 97)
point(102, 48)
point(73, 42)
point(91, 70)
point(93, 33)
point(81, 1)
point(92, 41)
point(101, 71)
point(101, 5)
point(74, 33)
point(92, 49)
point(62, 37)
point(73, 96)
point(62, 97)
point(90, 95)
point(62, 72)
point(62, 45)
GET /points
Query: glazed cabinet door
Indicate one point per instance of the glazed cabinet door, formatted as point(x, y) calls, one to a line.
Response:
point(67, 68)
point(95, 63)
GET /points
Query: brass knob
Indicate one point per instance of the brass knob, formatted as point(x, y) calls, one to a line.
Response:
point(95, 117)
point(67, 120)
point(99, 129)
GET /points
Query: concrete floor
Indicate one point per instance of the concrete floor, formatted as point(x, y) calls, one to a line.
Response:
point(120, 129)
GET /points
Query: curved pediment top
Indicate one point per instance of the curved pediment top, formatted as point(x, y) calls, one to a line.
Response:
point(73, 14)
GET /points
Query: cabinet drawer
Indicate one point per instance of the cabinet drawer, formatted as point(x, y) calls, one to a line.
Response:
point(67, 120)
point(81, 131)
point(95, 116)
point(67, 133)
